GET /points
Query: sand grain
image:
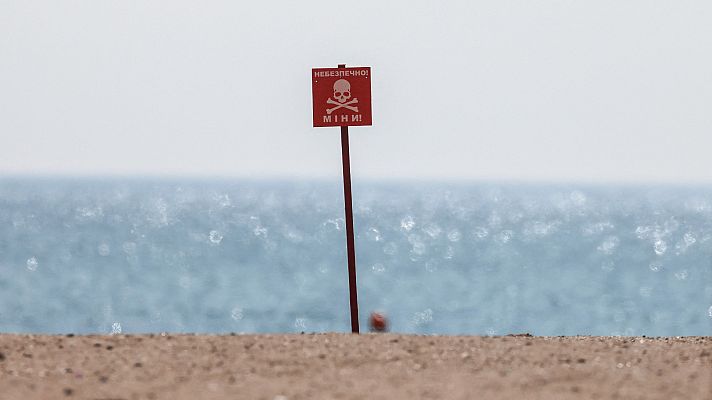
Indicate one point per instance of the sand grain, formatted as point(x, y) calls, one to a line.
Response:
point(342, 366)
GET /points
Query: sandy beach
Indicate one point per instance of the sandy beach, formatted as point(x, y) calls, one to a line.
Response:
point(343, 366)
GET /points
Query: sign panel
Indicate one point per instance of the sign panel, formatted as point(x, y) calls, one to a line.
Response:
point(341, 96)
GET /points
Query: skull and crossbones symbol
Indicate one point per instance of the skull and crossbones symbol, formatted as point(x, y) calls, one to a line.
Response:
point(342, 94)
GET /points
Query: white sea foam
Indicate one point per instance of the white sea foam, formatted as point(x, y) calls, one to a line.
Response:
point(32, 263)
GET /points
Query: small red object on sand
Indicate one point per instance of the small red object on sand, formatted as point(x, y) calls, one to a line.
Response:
point(377, 322)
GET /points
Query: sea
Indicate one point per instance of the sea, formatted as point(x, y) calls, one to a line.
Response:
point(110, 256)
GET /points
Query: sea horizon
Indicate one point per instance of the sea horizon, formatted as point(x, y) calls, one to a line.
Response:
point(145, 254)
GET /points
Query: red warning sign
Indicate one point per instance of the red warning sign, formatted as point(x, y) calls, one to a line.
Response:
point(341, 96)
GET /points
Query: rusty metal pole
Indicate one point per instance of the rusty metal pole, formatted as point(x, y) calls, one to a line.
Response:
point(350, 241)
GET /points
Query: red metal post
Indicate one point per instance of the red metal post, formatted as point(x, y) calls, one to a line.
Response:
point(350, 241)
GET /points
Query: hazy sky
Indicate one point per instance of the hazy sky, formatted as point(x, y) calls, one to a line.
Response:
point(526, 90)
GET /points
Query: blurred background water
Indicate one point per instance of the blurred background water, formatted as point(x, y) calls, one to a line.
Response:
point(93, 256)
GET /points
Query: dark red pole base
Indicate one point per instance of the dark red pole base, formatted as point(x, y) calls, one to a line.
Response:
point(350, 242)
